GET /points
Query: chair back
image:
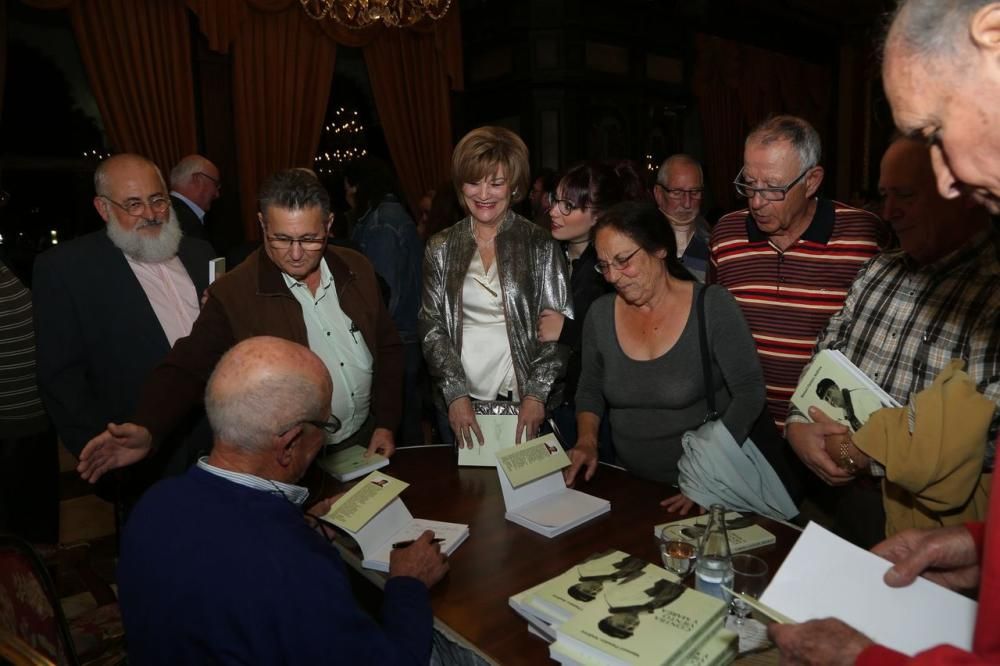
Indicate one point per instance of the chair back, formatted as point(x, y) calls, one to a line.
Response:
point(29, 606)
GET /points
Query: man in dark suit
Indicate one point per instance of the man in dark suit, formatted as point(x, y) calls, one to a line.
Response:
point(194, 185)
point(108, 308)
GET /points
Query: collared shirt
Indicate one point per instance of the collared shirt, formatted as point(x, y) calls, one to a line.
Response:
point(170, 292)
point(788, 296)
point(902, 324)
point(295, 494)
point(195, 207)
point(342, 348)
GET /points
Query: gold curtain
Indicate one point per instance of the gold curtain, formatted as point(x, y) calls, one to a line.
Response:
point(137, 56)
point(738, 86)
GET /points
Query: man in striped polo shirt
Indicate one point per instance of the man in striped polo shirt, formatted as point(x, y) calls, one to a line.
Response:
point(790, 257)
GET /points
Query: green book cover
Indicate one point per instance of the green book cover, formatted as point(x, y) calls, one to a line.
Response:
point(532, 460)
point(562, 597)
point(360, 504)
point(649, 620)
point(350, 463)
point(721, 647)
point(743, 534)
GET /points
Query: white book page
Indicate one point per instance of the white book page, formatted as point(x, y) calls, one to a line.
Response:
point(561, 508)
point(452, 533)
point(499, 432)
point(826, 576)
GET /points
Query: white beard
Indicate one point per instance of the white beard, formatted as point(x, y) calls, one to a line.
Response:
point(147, 248)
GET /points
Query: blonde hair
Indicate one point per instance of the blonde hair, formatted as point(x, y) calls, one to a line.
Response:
point(481, 151)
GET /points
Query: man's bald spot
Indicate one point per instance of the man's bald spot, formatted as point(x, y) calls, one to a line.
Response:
point(256, 360)
point(117, 165)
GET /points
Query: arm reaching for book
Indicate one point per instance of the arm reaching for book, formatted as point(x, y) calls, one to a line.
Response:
point(118, 446)
point(584, 453)
point(829, 642)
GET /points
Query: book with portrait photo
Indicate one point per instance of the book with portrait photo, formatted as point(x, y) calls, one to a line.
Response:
point(743, 533)
point(836, 386)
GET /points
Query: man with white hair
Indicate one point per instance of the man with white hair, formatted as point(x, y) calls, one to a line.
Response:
point(194, 184)
point(109, 306)
point(941, 72)
point(220, 566)
point(680, 185)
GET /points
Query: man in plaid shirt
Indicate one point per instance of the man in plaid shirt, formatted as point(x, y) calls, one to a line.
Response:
point(907, 315)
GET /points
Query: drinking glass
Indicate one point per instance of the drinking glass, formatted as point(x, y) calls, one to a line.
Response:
point(677, 551)
point(749, 578)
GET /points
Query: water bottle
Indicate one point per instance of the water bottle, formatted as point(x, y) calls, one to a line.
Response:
point(714, 567)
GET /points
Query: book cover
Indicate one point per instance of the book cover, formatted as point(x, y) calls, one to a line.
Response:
point(499, 432)
point(532, 460)
point(350, 463)
point(649, 620)
point(719, 649)
point(743, 534)
point(360, 504)
point(835, 385)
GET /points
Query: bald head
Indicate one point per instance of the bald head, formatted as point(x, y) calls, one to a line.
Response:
point(932, 28)
point(197, 179)
point(117, 168)
point(262, 387)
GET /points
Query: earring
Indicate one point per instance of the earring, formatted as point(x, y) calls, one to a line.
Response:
point(514, 193)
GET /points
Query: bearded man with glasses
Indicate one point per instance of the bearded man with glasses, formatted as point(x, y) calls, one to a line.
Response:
point(790, 257)
point(109, 306)
point(294, 287)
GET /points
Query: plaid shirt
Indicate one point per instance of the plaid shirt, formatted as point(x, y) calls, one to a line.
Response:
point(902, 324)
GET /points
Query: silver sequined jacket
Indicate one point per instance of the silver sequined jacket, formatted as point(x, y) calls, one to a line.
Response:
point(533, 276)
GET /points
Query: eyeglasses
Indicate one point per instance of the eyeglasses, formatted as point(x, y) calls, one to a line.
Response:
point(308, 244)
point(215, 181)
point(766, 193)
point(330, 427)
point(566, 206)
point(677, 193)
point(136, 207)
point(618, 263)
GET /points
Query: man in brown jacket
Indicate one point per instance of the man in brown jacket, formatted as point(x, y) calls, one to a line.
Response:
point(294, 287)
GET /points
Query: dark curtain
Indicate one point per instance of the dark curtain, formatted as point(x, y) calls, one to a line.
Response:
point(282, 73)
point(738, 86)
point(411, 90)
point(3, 51)
point(137, 56)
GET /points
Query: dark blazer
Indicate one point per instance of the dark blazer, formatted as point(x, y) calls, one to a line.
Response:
point(586, 285)
point(97, 334)
point(188, 219)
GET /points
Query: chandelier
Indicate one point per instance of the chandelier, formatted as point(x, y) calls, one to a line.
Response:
point(357, 14)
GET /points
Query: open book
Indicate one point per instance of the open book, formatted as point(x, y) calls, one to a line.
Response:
point(375, 516)
point(535, 493)
point(835, 385)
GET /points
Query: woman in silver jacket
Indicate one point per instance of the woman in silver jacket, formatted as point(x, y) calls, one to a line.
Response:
point(486, 281)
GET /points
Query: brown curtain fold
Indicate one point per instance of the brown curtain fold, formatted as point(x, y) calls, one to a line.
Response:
point(738, 86)
point(137, 56)
point(410, 86)
point(282, 73)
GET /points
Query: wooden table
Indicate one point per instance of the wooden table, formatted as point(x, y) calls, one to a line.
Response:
point(500, 559)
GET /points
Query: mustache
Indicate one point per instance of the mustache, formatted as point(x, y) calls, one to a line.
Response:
point(151, 222)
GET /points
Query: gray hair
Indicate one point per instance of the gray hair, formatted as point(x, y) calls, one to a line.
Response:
point(185, 170)
point(250, 417)
point(101, 177)
point(803, 137)
point(676, 160)
point(932, 27)
point(293, 189)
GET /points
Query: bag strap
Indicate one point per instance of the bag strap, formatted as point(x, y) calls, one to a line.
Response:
point(706, 357)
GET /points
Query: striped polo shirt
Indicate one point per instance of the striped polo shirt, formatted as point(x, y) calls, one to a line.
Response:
point(788, 297)
point(21, 412)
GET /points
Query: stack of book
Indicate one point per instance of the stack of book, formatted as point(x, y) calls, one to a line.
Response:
point(614, 608)
point(840, 390)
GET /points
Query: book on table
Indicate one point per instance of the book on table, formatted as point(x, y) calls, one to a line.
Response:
point(350, 463)
point(743, 534)
point(375, 516)
point(651, 619)
point(534, 492)
point(720, 648)
point(839, 388)
point(826, 576)
point(498, 422)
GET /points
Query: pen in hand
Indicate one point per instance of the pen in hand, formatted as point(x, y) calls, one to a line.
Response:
point(404, 544)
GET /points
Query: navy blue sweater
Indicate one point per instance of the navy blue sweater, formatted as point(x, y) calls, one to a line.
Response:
point(215, 572)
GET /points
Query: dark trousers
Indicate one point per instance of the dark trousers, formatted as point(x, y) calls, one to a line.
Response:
point(410, 432)
point(29, 487)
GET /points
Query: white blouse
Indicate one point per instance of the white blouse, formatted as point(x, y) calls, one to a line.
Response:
point(486, 357)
